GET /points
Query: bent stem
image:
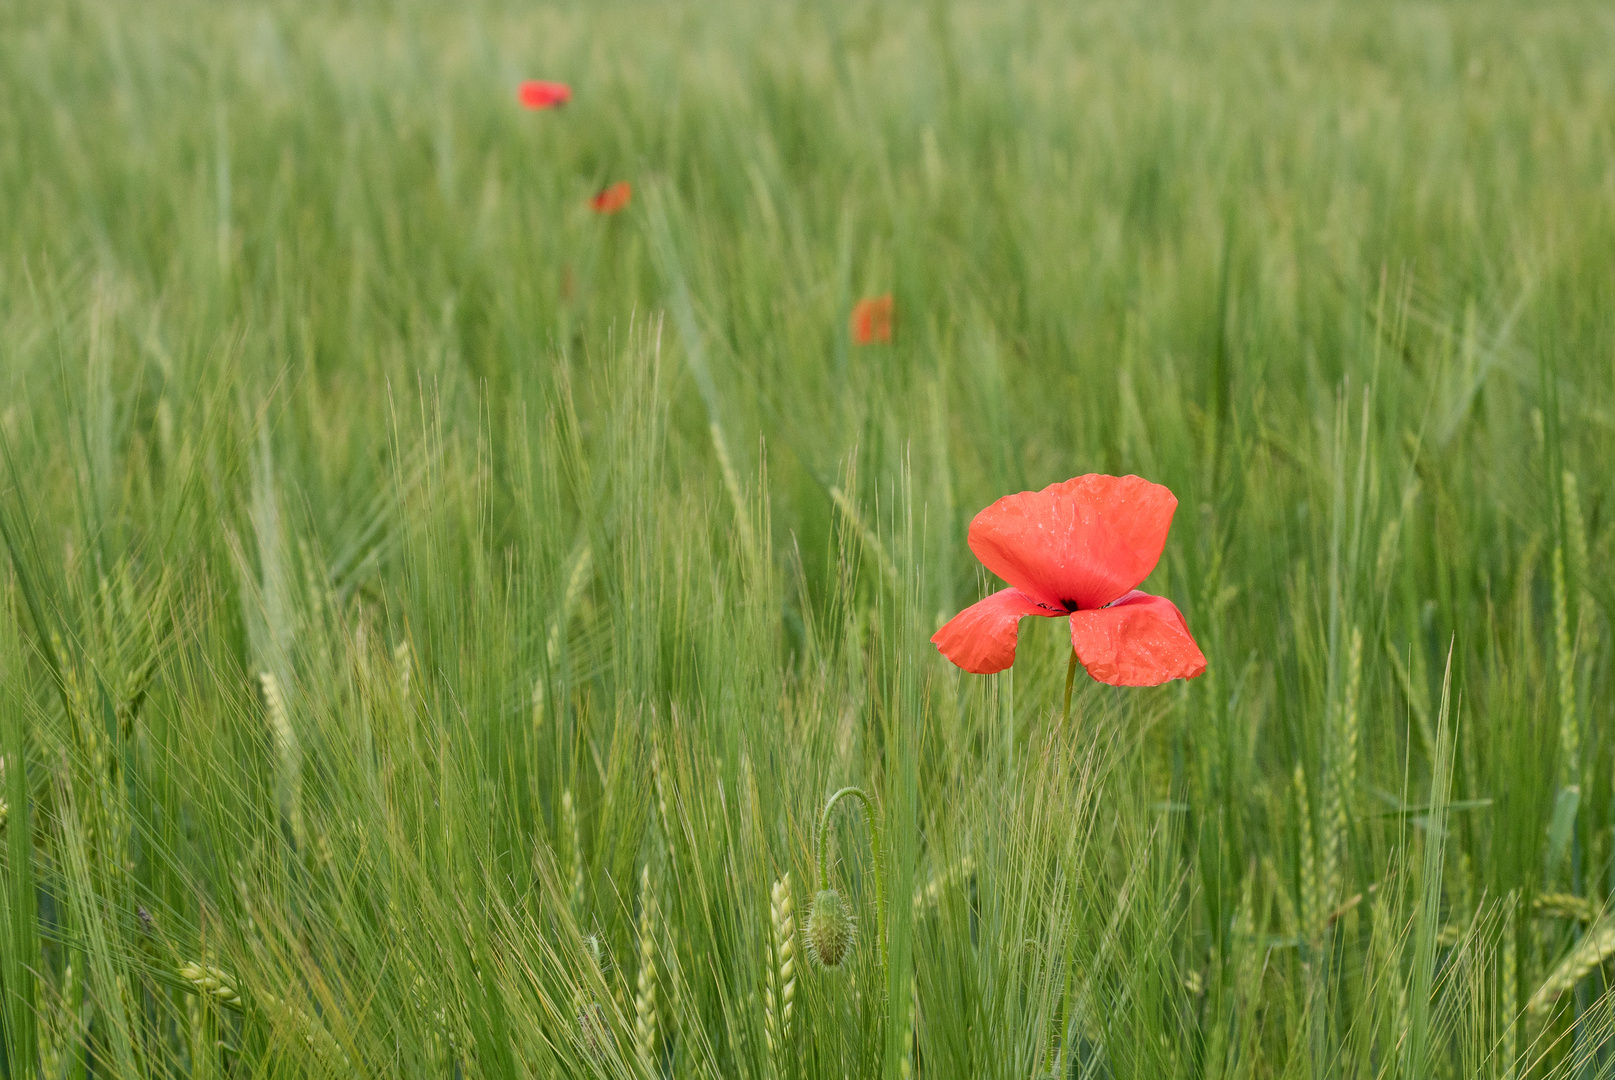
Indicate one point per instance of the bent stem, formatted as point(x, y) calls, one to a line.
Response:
point(1070, 678)
point(874, 847)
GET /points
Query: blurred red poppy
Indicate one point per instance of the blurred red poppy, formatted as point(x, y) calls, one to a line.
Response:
point(538, 94)
point(611, 199)
point(1077, 549)
point(872, 320)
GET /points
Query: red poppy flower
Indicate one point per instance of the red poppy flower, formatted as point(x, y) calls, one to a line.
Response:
point(1077, 549)
point(872, 320)
point(538, 94)
point(611, 199)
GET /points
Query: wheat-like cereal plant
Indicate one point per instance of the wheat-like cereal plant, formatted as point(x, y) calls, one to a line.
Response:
point(1578, 558)
point(577, 580)
point(311, 1031)
point(928, 895)
point(572, 838)
point(645, 1015)
point(779, 995)
point(215, 983)
point(403, 664)
point(211, 982)
point(1596, 946)
point(1557, 905)
point(909, 1046)
point(288, 755)
point(659, 778)
point(1342, 780)
point(1311, 906)
point(60, 1023)
point(1565, 659)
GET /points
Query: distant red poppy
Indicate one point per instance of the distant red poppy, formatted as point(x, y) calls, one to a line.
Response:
point(872, 320)
point(1077, 549)
point(538, 94)
point(611, 199)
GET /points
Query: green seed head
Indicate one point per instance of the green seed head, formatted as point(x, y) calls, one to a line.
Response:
point(830, 931)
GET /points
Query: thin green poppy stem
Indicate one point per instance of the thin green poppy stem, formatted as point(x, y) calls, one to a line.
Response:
point(1070, 678)
point(874, 846)
point(1007, 707)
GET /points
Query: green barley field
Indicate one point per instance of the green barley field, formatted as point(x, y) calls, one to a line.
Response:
point(435, 615)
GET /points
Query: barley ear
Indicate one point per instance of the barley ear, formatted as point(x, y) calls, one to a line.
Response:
point(1596, 946)
point(779, 996)
point(1508, 987)
point(1342, 777)
point(1558, 905)
point(659, 778)
point(1385, 947)
point(1578, 562)
point(1564, 649)
point(645, 1018)
point(403, 663)
point(910, 1033)
point(572, 836)
point(1311, 904)
point(287, 754)
point(580, 567)
point(211, 982)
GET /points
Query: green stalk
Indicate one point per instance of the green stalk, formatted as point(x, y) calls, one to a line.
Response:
point(1070, 678)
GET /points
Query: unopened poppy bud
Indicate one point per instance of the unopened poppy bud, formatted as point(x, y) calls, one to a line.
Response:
point(593, 1034)
point(830, 930)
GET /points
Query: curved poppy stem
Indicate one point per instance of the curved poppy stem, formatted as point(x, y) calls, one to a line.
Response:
point(874, 846)
point(1070, 678)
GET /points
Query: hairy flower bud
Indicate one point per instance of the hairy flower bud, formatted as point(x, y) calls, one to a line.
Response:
point(831, 930)
point(593, 1033)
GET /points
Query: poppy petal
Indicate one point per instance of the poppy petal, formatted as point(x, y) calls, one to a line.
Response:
point(872, 320)
point(1081, 543)
point(1140, 640)
point(612, 199)
point(540, 94)
point(981, 638)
